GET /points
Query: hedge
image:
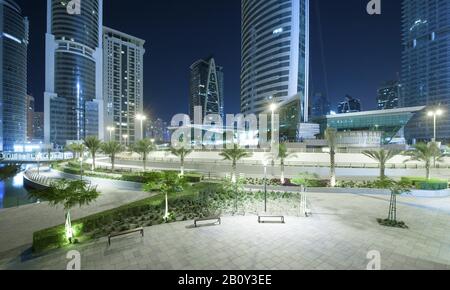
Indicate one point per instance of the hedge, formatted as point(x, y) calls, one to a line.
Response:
point(98, 225)
point(422, 183)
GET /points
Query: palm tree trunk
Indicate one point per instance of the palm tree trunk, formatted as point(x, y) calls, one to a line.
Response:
point(182, 167)
point(145, 162)
point(282, 172)
point(112, 162)
point(428, 165)
point(333, 169)
point(233, 174)
point(393, 208)
point(93, 162)
point(166, 215)
point(382, 171)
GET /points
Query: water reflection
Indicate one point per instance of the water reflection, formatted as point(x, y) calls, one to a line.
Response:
point(12, 191)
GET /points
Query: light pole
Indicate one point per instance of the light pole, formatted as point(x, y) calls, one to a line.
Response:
point(125, 138)
point(265, 163)
point(434, 115)
point(110, 130)
point(273, 108)
point(142, 118)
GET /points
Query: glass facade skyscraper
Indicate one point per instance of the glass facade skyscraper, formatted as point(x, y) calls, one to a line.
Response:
point(275, 54)
point(13, 75)
point(74, 78)
point(426, 65)
point(206, 87)
point(123, 60)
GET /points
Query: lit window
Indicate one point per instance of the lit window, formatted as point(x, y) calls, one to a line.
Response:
point(278, 31)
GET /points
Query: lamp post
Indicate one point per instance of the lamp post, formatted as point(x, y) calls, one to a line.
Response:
point(125, 138)
point(273, 108)
point(265, 163)
point(142, 118)
point(434, 115)
point(110, 130)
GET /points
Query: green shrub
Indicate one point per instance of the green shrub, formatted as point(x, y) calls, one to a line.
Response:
point(193, 177)
point(424, 184)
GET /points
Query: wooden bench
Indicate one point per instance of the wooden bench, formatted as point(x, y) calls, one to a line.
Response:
point(261, 217)
point(212, 218)
point(124, 233)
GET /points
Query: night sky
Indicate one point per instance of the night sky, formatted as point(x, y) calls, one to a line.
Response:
point(351, 51)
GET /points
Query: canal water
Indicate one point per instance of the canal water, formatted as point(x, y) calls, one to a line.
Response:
point(12, 191)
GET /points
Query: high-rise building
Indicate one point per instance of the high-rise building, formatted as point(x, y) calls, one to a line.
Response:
point(207, 87)
point(349, 105)
point(123, 60)
point(321, 105)
point(158, 130)
point(389, 95)
point(13, 75)
point(73, 98)
point(38, 126)
point(425, 76)
point(30, 116)
point(275, 55)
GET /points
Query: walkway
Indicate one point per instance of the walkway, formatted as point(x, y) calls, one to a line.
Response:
point(18, 224)
point(339, 235)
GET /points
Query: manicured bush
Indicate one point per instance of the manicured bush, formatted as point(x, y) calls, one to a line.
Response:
point(424, 184)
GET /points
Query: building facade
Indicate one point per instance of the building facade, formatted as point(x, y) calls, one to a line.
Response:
point(30, 117)
point(13, 75)
point(275, 54)
point(321, 105)
point(425, 74)
point(158, 131)
point(349, 105)
point(123, 60)
point(389, 96)
point(38, 126)
point(73, 98)
point(206, 88)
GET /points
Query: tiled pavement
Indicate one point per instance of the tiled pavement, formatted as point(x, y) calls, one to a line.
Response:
point(342, 230)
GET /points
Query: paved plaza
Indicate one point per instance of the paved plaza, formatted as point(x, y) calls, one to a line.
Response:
point(339, 235)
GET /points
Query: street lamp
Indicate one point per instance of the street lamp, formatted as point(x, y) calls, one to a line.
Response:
point(273, 108)
point(110, 130)
point(265, 163)
point(434, 115)
point(125, 137)
point(141, 118)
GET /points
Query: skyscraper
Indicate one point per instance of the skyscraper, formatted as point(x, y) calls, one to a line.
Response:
point(321, 105)
point(388, 96)
point(30, 117)
point(206, 87)
point(425, 75)
point(275, 54)
point(349, 105)
point(73, 98)
point(123, 60)
point(13, 75)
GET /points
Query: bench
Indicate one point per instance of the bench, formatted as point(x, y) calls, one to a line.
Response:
point(260, 218)
point(212, 218)
point(124, 233)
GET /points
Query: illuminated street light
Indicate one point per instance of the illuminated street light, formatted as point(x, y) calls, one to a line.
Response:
point(273, 107)
point(434, 115)
point(141, 118)
point(110, 130)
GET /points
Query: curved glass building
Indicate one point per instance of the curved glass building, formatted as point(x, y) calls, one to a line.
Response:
point(13, 75)
point(73, 98)
point(275, 54)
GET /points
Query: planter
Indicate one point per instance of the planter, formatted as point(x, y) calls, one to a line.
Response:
point(430, 193)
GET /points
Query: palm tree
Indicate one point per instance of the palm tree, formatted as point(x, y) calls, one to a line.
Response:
point(77, 149)
point(181, 153)
point(144, 147)
point(93, 145)
point(68, 193)
point(169, 183)
point(283, 154)
point(234, 155)
point(382, 157)
point(331, 138)
point(112, 148)
point(424, 153)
